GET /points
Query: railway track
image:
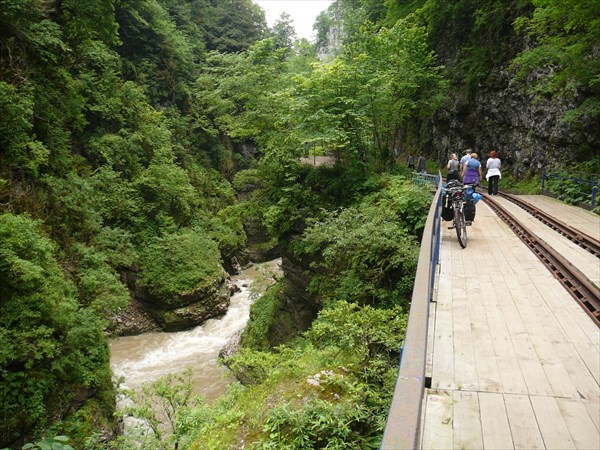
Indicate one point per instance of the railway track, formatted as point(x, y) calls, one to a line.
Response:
point(584, 291)
point(583, 240)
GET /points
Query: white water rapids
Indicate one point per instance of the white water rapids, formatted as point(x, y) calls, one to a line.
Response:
point(149, 356)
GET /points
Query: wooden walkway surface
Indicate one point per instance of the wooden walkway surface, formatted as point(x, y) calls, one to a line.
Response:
point(514, 361)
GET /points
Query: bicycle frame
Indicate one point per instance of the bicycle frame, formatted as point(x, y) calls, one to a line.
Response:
point(459, 223)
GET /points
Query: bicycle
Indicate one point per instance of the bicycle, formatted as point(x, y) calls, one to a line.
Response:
point(459, 195)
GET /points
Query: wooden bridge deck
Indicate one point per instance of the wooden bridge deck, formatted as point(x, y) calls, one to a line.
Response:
point(514, 361)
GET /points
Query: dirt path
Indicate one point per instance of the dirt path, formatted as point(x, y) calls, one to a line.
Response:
point(318, 160)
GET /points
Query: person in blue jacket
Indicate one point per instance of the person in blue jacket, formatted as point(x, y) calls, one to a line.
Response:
point(471, 172)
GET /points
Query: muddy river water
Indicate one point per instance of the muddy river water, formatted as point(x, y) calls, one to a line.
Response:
point(145, 358)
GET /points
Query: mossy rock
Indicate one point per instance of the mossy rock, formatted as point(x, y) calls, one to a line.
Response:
point(194, 314)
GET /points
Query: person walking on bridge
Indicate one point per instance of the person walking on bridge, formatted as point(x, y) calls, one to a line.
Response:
point(493, 173)
point(453, 168)
point(471, 172)
point(465, 158)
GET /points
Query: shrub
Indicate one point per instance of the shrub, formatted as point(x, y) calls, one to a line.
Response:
point(52, 351)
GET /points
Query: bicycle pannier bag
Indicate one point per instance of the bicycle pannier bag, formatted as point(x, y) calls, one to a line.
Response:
point(447, 210)
point(469, 210)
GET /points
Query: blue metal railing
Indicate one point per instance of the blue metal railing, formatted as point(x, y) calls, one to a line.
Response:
point(587, 185)
point(421, 178)
point(402, 430)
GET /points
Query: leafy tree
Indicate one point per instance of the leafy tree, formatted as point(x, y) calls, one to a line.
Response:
point(98, 284)
point(399, 81)
point(88, 21)
point(284, 32)
point(55, 443)
point(234, 26)
point(158, 53)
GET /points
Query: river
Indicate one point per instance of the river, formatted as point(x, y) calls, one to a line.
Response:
point(145, 358)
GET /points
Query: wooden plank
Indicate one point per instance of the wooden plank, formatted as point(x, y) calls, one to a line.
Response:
point(443, 359)
point(580, 425)
point(465, 368)
point(524, 340)
point(531, 367)
point(465, 365)
point(488, 374)
point(566, 331)
point(551, 423)
point(553, 367)
point(494, 422)
point(438, 431)
point(593, 409)
point(523, 426)
point(467, 421)
point(506, 358)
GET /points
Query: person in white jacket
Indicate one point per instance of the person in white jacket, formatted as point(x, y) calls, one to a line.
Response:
point(493, 173)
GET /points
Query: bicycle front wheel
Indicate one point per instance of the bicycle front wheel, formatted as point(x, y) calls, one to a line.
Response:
point(461, 227)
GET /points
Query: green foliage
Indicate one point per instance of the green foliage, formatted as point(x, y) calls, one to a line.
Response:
point(369, 252)
point(97, 283)
point(528, 185)
point(167, 410)
point(331, 390)
point(168, 196)
point(119, 204)
point(49, 344)
point(361, 333)
point(284, 32)
point(234, 27)
point(572, 188)
point(263, 313)
point(73, 207)
point(180, 264)
point(252, 366)
point(564, 60)
point(93, 19)
point(16, 108)
point(55, 443)
point(319, 424)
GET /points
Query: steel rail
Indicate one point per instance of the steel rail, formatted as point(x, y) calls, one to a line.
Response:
point(585, 241)
point(584, 291)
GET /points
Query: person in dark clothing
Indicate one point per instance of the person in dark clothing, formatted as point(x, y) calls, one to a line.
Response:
point(421, 164)
point(411, 161)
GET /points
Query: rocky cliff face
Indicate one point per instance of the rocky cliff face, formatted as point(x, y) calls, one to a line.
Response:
point(529, 134)
point(497, 113)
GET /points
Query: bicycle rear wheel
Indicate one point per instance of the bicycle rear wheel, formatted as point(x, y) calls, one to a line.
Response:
point(461, 227)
